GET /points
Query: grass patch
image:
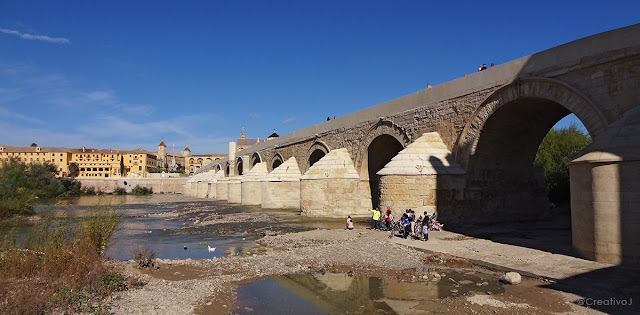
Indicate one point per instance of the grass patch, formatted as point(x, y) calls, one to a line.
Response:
point(59, 267)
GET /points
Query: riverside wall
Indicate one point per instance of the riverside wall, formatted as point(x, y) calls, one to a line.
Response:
point(159, 185)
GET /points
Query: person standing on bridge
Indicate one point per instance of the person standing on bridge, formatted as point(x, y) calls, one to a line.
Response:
point(375, 219)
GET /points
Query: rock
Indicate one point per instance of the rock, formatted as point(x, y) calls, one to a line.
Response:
point(512, 278)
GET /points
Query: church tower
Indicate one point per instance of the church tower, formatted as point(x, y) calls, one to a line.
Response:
point(162, 155)
point(186, 152)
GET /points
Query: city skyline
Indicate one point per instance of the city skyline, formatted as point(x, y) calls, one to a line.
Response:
point(99, 75)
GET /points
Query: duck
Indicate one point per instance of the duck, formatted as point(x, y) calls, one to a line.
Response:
point(185, 247)
point(211, 249)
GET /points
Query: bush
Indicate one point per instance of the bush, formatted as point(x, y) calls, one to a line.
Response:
point(89, 191)
point(139, 190)
point(557, 149)
point(60, 265)
point(119, 191)
point(144, 257)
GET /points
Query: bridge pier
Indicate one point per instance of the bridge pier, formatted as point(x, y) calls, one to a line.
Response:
point(331, 187)
point(423, 177)
point(221, 188)
point(252, 185)
point(281, 188)
point(234, 189)
point(605, 194)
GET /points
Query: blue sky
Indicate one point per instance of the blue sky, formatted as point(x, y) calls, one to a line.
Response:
point(124, 74)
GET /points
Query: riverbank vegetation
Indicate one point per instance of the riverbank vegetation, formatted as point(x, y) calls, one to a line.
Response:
point(59, 267)
point(21, 185)
point(556, 151)
point(137, 190)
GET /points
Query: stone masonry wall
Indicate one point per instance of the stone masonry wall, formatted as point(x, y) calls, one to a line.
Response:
point(330, 197)
point(107, 185)
point(234, 193)
point(221, 189)
point(281, 195)
point(251, 193)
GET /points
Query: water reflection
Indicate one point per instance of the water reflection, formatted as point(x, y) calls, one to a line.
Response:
point(339, 293)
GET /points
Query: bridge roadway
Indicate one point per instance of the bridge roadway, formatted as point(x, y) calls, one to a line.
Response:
point(466, 148)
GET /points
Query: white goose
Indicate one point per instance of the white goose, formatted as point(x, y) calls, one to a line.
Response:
point(211, 249)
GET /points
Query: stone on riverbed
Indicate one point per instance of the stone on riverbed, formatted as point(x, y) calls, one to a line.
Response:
point(512, 278)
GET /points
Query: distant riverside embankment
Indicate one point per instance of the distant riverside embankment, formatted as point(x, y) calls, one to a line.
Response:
point(159, 185)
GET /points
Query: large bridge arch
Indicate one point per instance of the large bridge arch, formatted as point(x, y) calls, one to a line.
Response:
point(498, 146)
point(545, 89)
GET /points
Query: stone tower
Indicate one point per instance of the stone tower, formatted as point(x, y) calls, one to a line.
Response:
point(186, 152)
point(162, 154)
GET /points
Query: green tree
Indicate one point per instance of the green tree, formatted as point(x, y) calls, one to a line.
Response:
point(74, 170)
point(33, 145)
point(21, 184)
point(122, 171)
point(557, 149)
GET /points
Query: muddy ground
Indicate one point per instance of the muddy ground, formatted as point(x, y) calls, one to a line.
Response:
point(208, 286)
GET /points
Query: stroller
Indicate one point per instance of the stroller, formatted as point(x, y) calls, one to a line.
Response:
point(433, 224)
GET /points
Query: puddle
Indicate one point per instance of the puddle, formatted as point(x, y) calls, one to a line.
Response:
point(339, 293)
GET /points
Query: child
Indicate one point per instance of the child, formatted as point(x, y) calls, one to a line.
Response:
point(349, 224)
point(405, 225)
point(425, 231)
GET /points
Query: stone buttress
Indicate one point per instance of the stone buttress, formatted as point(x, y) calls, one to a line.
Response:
point(202, 186)
point(252, 184)
point(331, 187)
point(191, 184)
point(605, 194)
point(281, 188)
point(234, 189)
point(423, 177)
point(211, 188)
point(221, 186)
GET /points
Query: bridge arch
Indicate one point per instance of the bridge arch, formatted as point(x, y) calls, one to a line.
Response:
point(255, 159)
point(239, 167)
point(383, 141)
point(226, 169)
point(276, 160)
point(381, 127)
point(526, 90)
point(315, 152)
point(498, 146)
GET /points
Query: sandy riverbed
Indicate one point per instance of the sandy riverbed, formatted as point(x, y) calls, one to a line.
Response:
point(208, 286)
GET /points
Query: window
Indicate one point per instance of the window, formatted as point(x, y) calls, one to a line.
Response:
point(60, 160)
point(140, 168)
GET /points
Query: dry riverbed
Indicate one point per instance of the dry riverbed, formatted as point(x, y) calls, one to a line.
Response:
point(208, 286)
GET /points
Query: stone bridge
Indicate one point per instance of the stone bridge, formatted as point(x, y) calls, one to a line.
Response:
point(466, 148)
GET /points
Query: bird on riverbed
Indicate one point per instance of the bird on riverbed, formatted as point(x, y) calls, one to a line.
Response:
point(211, 249)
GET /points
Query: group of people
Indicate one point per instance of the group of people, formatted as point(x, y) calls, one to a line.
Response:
point(484, 67)
point(407, 223)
